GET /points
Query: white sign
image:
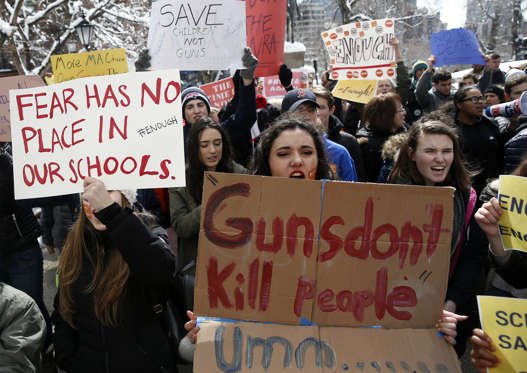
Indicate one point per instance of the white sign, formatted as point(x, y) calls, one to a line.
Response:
point(361, 50)
point(197, 34)
point(124, 129)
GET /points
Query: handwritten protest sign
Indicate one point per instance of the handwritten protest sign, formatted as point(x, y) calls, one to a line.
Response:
point(274, 89)
point(456, 46)
point(266, 33)
point(7, 84)
point(197, 34)
point(384, 262)
point(124, 129)
point(355, 90)
point(513, 221)
point(258, 348)
point(361, 50)
point(505, 321)
point(79, 65)
point(219, 92)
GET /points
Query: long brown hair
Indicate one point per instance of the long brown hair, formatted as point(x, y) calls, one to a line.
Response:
point(87, 246)
point(405, 169)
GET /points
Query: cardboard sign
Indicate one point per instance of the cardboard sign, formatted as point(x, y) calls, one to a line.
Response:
point(197, 34)
point(361, 50)
point(79, 65)
point(7, 84)
point(265, 254)
point(266, 33)
point(219, 92)
point(513, 221)
point(504, 320)
point(355, 90)
point(274, 89)
point(258, 348)
point(456, 46)
point(124, 129)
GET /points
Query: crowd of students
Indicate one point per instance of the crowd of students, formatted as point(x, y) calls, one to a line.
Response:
point(117, 270)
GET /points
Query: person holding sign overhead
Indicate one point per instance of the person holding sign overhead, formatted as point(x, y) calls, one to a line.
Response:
point(114, 274)
point(196, 105)
point(432, 156)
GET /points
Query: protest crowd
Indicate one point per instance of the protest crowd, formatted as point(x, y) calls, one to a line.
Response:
point(126, 256)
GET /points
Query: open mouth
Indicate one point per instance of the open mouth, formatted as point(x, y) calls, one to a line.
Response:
point(438, 168)
point(297, 175)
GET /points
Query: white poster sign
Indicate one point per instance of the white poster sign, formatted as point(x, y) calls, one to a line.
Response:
point(197, 34)
point(124, 129)
point(361, 50)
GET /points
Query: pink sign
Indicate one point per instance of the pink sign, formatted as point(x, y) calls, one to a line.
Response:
point(6, 84)
point(273, 87)
point(219, 92)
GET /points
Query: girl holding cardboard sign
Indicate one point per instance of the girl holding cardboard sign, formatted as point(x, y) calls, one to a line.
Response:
point(432, 156)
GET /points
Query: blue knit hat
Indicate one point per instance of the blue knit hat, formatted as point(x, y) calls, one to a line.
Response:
point(192, 93)
point(418, 65)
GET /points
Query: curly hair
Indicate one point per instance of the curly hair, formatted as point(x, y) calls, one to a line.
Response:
point(260, 162)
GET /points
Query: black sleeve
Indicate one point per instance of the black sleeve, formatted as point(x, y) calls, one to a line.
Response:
point(65, 339)
point(515, 270)
point(469, 268)
point(149, 258)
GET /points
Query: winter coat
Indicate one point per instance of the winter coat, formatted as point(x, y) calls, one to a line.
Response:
point(22, 331)
point(18, 225)
point(489, 78)
point(515, 149)
point(138, 343)
point(371, 142)
point(185, 214)
point(430, 99)
point(238, 125)
point(336, 134)
point(483, 149)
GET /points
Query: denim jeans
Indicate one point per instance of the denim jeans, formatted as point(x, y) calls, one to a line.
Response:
point(23, 270)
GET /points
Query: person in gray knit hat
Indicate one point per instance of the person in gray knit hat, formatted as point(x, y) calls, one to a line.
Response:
point(196, 105)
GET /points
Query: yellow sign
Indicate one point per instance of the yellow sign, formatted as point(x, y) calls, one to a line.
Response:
point(50, 80)
point(355, 90)
point(79, 65)
point(513, 221)
point(505, 321)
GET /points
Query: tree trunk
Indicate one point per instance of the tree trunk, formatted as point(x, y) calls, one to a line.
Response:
point(516, 26)
point(345, 10)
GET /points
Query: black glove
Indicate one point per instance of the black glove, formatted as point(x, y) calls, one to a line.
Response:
point(143, 61)
point(250, 62)
point(286, 75)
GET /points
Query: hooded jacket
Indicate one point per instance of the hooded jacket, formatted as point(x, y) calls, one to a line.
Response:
point(336, 134)
point(430, 99)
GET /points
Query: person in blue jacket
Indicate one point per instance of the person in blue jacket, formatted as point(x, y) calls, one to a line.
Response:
point(302, 104)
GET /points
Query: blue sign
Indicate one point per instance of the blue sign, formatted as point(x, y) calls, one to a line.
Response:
point(456, 46)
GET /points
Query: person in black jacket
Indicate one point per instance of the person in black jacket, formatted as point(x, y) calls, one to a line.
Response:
point(335, 129)
point(21, 261)
point(479, 136)
point(114, 275)
point(384, 117)
point(196, 104)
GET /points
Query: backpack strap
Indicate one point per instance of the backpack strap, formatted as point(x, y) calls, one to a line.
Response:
point(468, 214)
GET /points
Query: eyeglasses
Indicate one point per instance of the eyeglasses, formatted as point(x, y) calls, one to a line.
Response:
point(476, 99)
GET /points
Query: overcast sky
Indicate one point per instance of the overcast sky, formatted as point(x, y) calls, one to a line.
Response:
point(453, 12)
